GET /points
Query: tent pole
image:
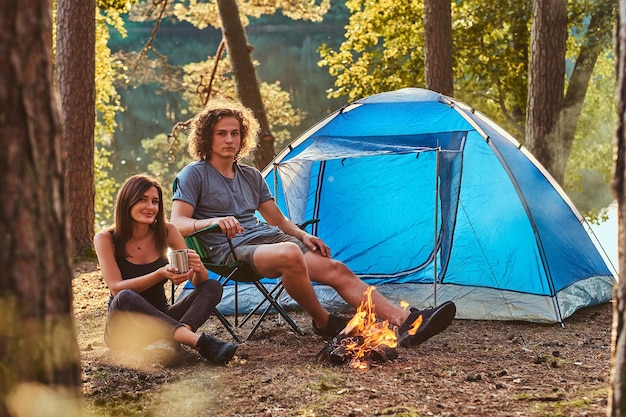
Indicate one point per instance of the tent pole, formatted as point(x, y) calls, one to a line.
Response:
point(276, 199)
point(275, 179)
point(437, 150)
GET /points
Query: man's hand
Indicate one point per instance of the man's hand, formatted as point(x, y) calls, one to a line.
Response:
point(230, 226)
point(316, 244)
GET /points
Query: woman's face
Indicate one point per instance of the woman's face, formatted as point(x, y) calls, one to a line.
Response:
point(147, 208)
point(226, 138)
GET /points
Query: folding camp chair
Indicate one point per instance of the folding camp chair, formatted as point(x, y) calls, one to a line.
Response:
point(239, 271)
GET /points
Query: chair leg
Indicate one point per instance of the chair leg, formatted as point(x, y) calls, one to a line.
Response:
point(268, 296)
point(284, 313)
point(248, 316)
point(174, 288)
point(279, 308)
point(265, 311)
point(227, 325)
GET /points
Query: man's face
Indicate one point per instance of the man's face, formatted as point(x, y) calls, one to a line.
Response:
point(226, 138)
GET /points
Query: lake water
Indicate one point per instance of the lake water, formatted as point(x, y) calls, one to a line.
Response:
point(606, 233)
point(286, 53)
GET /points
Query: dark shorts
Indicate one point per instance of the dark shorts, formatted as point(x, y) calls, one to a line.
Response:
point(245, 252)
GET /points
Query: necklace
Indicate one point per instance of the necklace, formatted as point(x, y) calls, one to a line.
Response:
point(140, 244)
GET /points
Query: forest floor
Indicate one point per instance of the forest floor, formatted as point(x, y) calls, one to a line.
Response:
point(474, 368)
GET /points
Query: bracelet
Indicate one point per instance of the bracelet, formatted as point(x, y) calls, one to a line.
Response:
point(194, 225)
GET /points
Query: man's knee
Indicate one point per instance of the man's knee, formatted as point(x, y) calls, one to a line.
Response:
point(291, 250)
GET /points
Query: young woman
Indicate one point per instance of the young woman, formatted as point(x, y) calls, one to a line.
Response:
point(133, 261)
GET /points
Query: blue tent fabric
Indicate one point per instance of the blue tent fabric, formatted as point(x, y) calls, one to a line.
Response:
point(429, 200)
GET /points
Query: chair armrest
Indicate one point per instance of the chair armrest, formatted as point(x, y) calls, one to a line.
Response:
point(307, 223)
point(214, 228)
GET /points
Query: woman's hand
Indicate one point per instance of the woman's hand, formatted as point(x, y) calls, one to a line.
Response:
point(196, 265)
point(170, 273)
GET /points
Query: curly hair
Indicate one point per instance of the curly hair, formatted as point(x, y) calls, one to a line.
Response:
point(202, 125)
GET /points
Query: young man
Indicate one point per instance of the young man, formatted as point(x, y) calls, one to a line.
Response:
point(217, 189)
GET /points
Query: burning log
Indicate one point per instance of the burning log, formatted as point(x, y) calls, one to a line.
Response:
point(365, 340)
point(351, 350)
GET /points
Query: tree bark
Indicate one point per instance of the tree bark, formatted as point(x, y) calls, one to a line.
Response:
point(617, 390)
point(546, 84)
point(37, 336)
point(75, 72)
point(438, 46)
point(245, 77)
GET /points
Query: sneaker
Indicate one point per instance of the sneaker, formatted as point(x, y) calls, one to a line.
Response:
point(334, 326)
point(434, 321)
point(215, 350)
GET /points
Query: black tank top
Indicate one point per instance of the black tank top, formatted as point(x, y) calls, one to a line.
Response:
point(155, 295)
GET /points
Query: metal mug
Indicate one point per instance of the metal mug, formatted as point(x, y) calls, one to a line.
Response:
point(179, 259)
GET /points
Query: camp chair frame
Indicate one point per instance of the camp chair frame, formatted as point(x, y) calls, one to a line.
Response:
point(239, 271)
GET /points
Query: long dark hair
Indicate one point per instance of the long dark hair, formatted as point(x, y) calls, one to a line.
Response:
point(130, 194)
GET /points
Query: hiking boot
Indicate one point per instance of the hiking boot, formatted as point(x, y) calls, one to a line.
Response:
point(434, 321)
point(215, 350)
point(334, 326)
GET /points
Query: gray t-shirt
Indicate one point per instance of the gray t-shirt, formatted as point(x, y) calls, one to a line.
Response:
point(213, 195)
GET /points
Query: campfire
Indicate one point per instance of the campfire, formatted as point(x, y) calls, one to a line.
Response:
point(365, 341)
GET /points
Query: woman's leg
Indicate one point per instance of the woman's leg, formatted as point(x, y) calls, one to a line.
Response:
point(195, 309)
point(133, 323)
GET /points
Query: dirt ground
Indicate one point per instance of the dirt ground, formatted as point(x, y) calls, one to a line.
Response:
point(474, 368)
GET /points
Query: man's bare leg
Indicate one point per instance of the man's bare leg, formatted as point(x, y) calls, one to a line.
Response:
point(327, 271)
point(286, 260)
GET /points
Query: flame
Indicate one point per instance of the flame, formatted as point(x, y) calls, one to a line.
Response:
point(415, 325)
point(370, 333)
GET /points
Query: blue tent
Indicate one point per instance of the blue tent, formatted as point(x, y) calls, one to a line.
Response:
point(429, 200)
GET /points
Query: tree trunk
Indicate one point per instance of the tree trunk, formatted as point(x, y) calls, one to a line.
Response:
point(598, 37)
point(438, 46)
point(244, 73)
point(75, 71)
point(617, 390)
point(37, 336)
point(546, 84)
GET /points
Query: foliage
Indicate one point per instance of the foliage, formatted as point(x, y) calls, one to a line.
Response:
point(588, 172)
point(593, 146)
point(169, 156)
point(168, 153)
point(203, 14)
point(109, 70)
point(280, 112)
point(115, 5)
point(382, 51)
point(491, 42)
point(195, 81)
